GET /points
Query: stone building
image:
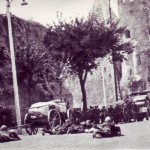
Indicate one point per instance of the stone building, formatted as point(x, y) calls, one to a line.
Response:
point(135, 14)
point(134, 73)
point(100, 87)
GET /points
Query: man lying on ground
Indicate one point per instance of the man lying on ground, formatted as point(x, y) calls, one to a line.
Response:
point(67, 128)
point(8, 135)
point(107, 129)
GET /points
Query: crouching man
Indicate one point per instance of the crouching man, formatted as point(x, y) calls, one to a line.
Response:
point(6, 136)
point(108, 129)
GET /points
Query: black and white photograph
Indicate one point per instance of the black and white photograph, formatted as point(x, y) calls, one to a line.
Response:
point(74, 74)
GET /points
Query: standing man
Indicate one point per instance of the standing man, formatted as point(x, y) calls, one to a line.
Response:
point(111, 112)
point(117, 114)
point(103, 114)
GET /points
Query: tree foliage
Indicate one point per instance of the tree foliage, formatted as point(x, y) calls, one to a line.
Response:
point(5, 72)
point(37, 74)
point(34, 65)
point(80, 43)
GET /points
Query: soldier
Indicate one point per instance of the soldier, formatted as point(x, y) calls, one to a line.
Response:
point(103, 114)
point(6, 136)
point(108, 129)
point(147, 102)
point(127, 111)
point(117, 114)
point(135, 111)
point(96, 113)
point(111, 112)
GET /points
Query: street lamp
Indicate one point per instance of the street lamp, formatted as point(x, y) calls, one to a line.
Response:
point(24, 3)
point(12, 55)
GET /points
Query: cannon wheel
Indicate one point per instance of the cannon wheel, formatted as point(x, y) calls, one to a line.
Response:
point(69, 113)
point(54, 118)
point(30, 128)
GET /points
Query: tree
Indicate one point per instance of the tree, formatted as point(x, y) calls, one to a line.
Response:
point(80, 43)
point(35, 68)
point(5, 72)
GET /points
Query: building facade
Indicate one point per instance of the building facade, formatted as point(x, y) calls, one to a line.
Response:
point(134, 73)
point(135, 14)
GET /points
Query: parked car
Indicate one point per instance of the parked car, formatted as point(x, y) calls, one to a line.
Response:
point(141, 101)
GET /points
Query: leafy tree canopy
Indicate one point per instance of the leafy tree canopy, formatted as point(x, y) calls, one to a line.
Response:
point(80, 43)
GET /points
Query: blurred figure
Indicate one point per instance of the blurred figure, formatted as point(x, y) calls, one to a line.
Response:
point(127, 111)
point(96, 113)
point(103, 114)
point(147, 102)
point(117, 114)
point(8, 135)
point(111, 112)
point(108, 129)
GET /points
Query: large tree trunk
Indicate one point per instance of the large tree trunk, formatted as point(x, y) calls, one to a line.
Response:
point(82, 85)
point(83, 96)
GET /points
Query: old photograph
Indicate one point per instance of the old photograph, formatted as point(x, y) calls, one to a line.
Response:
point(74, 74)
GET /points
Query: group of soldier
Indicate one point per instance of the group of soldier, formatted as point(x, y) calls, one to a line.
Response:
point(119, 113)
point(97, 115)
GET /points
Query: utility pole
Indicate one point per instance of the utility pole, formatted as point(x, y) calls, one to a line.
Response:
point(104, 85)
point(110, 11)
point(13, 65)
point(114, 63)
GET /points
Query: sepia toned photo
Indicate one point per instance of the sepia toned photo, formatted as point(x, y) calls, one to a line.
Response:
point(74, 74)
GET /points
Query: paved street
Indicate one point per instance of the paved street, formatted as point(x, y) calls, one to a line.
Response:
point(135, 136)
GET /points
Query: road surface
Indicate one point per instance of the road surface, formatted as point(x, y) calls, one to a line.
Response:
point(134, 136)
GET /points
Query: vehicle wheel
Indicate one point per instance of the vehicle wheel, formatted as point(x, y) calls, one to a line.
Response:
point(119, 133)
point(30, 129)
point(27, 118)
point(147, 117)
point(139, 119)
point(26, 121)
point(69, 113)
point(54, 118)
point(134, 119)
point(34, 130)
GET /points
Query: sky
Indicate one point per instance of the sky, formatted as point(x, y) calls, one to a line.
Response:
point(44, 11)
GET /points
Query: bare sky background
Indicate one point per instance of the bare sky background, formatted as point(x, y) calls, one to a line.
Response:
point(44, 11)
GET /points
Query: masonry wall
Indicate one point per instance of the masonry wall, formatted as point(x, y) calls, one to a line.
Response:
point(100, 80)
point(135, 14)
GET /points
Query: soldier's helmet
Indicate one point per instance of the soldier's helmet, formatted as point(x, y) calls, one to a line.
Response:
point(107, 119)
point(3, 128)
